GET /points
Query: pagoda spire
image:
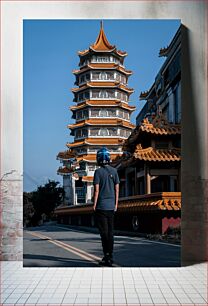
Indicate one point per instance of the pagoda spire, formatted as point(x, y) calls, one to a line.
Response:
point(102, 43)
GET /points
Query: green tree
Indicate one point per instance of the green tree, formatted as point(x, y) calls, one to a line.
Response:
point(45, 199)
point(28, 209)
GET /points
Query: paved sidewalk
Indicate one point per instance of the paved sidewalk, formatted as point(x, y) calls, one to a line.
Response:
point(103, 286)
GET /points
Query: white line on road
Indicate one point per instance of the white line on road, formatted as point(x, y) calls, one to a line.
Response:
point(67, 247)
point(85, 255)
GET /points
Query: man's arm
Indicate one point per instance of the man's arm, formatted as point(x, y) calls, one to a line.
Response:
point(116, 196)
point(96, 193)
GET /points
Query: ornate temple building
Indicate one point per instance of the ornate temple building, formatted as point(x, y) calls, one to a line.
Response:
point(102, 116)
point(149, 163)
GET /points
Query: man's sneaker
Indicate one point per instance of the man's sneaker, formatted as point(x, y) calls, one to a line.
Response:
point(111, 258)
point(106, 262)
point(103, 261)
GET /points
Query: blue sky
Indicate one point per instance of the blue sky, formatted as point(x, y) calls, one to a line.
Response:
point(50, 55)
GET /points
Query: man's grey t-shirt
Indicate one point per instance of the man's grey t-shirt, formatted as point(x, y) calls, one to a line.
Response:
point(107, 178)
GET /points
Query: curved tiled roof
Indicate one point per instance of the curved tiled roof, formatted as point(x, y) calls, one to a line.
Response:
point(92, 157)
point(102, 45)
point(103, 103)
point(103, 122)
point(160, 126)
point(97, 141)
point(87, 178)
point(66, 155)
point(102, 66)
point(152, 154)
point(64, 170)
point(103, 85)
point(170, 201)
point(162, 204)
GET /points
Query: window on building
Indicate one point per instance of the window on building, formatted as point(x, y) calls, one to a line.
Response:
point(87, 95)
point(104, 132)
point(103, 76)
point(112, 131)
point(103, 113)
point(94, 132)
point(80, 96)
point(111, 112)
point(95, 112)
point(103, 94)
point(82, 79)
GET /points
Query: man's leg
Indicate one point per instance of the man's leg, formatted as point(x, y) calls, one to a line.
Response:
point(110, 233)
point(102, 224)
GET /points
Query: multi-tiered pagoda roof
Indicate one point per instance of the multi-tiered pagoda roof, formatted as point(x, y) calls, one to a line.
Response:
point(101, 96)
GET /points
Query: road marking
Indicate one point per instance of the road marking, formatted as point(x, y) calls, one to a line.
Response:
point(133, 238)
point(69, 248)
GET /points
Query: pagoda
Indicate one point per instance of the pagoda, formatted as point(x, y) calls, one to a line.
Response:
point(102, 116)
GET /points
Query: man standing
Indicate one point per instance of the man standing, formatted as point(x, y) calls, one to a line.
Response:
point(106, 192)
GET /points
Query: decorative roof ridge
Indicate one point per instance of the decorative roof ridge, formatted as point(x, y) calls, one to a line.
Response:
point(144, 95)
point(160, 122)
point(140, 149)
point(102, 43)
point(164, 51)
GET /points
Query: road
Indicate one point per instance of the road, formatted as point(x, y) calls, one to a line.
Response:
point(60, 246)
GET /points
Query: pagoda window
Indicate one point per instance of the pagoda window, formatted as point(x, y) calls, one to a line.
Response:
point(85, 113)
point(104, 132)
point(79, 115)
point(123, 114)
point(118, 94)
point(87, 76)
point(112, 131)
point(124, 133)
point(81, 151)
point(103, 113)
point(94, 132)
point(82, 79)
point(82, 114)
point(80, 133)
point(87, 95)
point(111, 112)
point(111, 93)
point(95, 94)
point(103, 94)
point(103, 76)
point(95, 112)
point(80, 96)
point(123, 79)
point(102, 59)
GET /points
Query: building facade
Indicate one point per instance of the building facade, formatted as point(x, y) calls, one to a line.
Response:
point(165, 93)
point(102, 116)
